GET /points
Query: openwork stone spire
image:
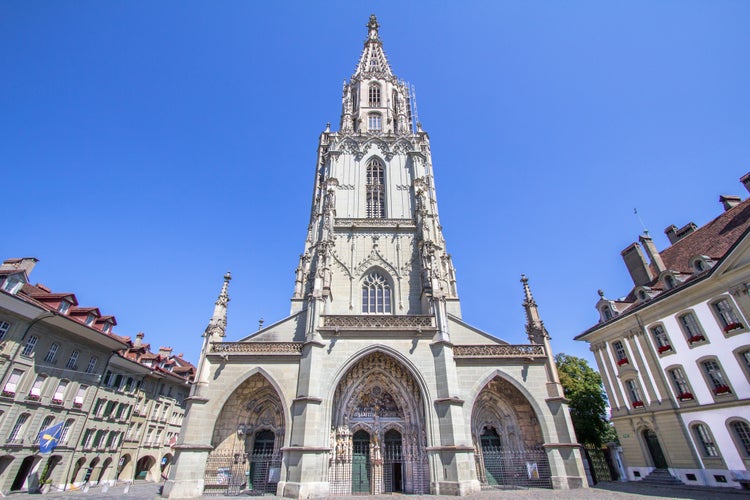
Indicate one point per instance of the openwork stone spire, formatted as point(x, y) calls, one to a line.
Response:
point(373, 58)
point(218, 325)
point(534, 325)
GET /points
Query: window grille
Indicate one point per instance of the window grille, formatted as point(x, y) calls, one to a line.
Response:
point(16, 431)
point(72, 361)
point(375, 189)
point(679, 381)
point(660, 336)
point(715, 376)
point(92, 365)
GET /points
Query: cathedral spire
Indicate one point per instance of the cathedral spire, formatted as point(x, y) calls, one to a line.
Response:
point(373, 58)
point(218, 325)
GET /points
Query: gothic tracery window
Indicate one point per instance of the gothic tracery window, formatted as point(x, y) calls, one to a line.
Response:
point(375, 190)
point(376, 294)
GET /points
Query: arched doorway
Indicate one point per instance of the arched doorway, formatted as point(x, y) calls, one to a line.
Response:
point(105, 466)
point(508, 440)
point(90, 470)
point(122, 467)
point(654, 449)
point(143, 467)
point(166, 461)
point(378, 430)
point(393, 460)
point(361, 462)
point(491, 456)
point(247, 440)
point(49, 468)
point(77, 469)
point(23, 473)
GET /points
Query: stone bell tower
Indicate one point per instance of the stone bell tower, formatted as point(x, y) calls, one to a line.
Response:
point(375, 207)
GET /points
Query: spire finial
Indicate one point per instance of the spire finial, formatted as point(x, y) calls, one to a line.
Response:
point(529, 299)
point(372, 28)
point(218, 324)
point(534, 325)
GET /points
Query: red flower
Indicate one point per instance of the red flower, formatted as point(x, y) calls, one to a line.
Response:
point(722, 389)
point(732, 326)
point(638, 404)
point(622, 361)
point(685, 396)
point(696, 338)
point(665, 348)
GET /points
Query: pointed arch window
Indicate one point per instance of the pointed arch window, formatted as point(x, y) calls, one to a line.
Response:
point(374, 93)
point(376, 294)
point(375, 189)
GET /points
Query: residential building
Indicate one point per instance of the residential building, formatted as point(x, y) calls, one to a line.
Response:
point(674, 353)
point(374, 383)
point(62, 363)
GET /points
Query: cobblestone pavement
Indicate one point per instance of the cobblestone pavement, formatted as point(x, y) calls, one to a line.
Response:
point(604, 491)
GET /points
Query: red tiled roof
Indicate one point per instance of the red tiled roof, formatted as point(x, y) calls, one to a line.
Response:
point(713, 240)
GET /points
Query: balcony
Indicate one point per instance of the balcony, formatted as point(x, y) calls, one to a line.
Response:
point(381, 322)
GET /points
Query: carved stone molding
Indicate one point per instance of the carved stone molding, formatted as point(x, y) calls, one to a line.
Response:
point(499, 351)
point(257, 348)
point(387, 322)
point(374, 223)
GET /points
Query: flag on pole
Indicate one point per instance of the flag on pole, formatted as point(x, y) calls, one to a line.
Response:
point(48, 438)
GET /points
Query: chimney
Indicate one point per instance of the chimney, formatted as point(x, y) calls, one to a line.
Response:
point(22, 264)
point(653, 253)
point(165, 352)
point(729, 201)
point(745, 180)
point(676, 235)
point(637, 266)
point(139, 339)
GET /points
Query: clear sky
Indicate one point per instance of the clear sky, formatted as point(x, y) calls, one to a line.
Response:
point(148, 147)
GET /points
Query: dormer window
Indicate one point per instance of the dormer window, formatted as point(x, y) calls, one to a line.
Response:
point(701, 263)
point(64, 307)
point(90, 319)
point(642, 295)
point(12, 284)
point(106, 327)
point(606, 312)
point(669, 282)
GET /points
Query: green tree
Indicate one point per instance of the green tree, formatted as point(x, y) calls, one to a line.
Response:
point(588, 401)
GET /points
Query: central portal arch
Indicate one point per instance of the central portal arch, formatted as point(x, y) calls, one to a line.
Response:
point(378, 430)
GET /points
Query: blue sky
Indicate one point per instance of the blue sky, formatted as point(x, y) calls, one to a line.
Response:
point(148, 147)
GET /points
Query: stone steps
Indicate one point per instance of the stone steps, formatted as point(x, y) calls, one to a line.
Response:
point(661, 477)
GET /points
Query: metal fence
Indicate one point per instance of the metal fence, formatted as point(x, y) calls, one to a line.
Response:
point(391, 473)
point(239, 473)
point(598, 464)
point(498, 468)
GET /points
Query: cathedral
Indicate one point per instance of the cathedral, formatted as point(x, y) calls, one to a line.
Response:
point(374, 383)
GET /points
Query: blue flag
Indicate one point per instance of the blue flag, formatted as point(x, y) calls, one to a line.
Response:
point(49, 437)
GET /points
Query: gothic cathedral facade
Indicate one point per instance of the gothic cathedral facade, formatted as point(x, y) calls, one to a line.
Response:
point(374, 383)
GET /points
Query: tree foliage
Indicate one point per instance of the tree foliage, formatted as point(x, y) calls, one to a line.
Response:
point(588, 401)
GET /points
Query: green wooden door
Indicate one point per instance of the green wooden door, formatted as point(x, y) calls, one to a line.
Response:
point(361, 462)
point(660, 462)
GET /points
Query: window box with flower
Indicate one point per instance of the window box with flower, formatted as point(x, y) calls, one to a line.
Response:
point(664, 348)
point(733, 326)
point(8, 394)
point(33, 397)
point(722, 389)
point(686, 396)
point(77, 404)
point(638, 404)
point(696, 338)
point(57, 402)
point(622, 361)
